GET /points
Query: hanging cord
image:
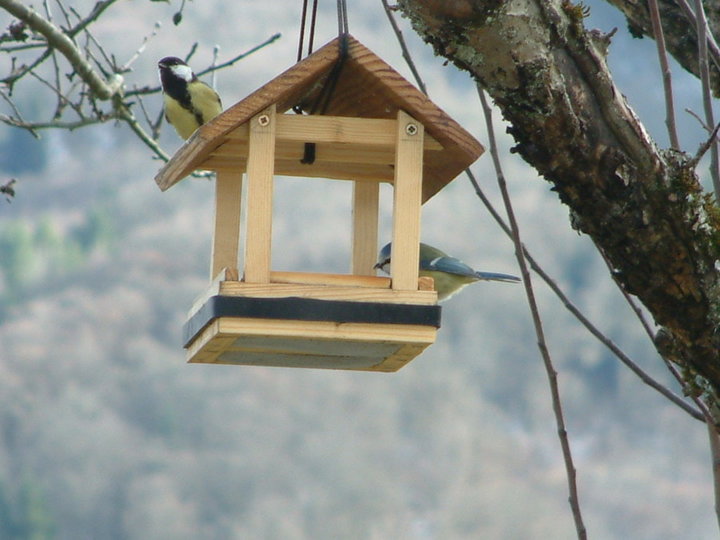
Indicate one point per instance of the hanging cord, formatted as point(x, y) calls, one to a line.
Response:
point(322, 102)
point(311, 36)
point(343, 27)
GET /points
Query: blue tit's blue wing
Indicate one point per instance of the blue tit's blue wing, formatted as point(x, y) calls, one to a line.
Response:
point(449, 265)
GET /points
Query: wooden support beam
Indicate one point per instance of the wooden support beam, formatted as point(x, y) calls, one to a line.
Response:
point(260, 170)
point(378, 132)
point(366, 197)
point(407, 199)
point(226, 235)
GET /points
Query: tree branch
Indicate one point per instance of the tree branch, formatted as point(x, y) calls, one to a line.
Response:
point(666, 74)
point(537, 323)
point(643, 208)
point(59, 40)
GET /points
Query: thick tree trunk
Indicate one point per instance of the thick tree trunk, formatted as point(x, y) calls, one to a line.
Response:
point(643, 207)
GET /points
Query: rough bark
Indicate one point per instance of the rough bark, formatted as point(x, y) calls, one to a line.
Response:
point(643, 207)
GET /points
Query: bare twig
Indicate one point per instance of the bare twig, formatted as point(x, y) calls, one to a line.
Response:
point(125, 114)
point(54, 124)
point(403, 46)
point(712, 44)
point(666, 74)
point(17, 113)
point(141, 49)
point(575, 311)
point(97, 10)
point(701, 413)
point(64, 11)
point(539, 332)
point(704, 147)
point(213, 78)
point(60, 41)
point(704, 68)
point(715, 456)
point(240, 56)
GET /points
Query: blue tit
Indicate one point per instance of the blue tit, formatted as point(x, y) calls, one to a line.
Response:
point(189, 102)
point(450, 274)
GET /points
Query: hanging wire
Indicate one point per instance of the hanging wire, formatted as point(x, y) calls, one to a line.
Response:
point(311, 36)
point(321, 103)
point(313, 19)
point(343, 27)
point(302, 30)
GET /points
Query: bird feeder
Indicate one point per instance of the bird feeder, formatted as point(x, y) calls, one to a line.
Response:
point(376, 127)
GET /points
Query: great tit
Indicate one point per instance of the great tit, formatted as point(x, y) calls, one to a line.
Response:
point(450, 274)
point(189, 102)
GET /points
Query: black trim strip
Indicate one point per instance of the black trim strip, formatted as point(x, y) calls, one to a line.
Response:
point(309, 309)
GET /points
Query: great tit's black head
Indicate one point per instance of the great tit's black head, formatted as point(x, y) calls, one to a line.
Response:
point(173, 72)
point(170, 61)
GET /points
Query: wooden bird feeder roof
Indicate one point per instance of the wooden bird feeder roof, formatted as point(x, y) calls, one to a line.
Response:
point(367, 87)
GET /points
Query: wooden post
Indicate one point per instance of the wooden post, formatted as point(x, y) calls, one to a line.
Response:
point(365, 227)
point(406, 202)
point(226, 235)
point(260, 170)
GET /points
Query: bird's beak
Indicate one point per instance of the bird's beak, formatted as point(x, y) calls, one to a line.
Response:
point(377, 266)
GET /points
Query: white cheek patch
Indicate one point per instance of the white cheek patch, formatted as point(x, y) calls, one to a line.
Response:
point(184, 72)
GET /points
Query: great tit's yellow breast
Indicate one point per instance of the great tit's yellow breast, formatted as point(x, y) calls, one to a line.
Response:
point(204, 106)
point(182, 119)
point(204, 100)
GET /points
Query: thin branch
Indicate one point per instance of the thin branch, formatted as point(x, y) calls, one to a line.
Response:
point(154, 126)
point(702, 33)
point(54, 124)
point(537, 322)
point(213, 78)
point(33, 44)
point(97, 10)
point(127, 116)
point(666, 74)
point(141, 49)
point(17, 113)
point(90, 38)
point(715, 457)
point(403, 47)
point(712, 44)
point(701, 413)
point(65, 12)
point(575, 311)
point(240, 56)
point(712, 139)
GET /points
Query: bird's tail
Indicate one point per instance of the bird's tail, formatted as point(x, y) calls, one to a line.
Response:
point(494, 276)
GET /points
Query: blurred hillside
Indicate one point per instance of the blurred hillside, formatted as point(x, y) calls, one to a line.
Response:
point(106, 433)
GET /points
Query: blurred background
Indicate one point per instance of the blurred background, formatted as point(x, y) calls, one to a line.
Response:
point(106, 433)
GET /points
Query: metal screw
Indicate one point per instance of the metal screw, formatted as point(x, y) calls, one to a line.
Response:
point(411, 129)
point(263, 120)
